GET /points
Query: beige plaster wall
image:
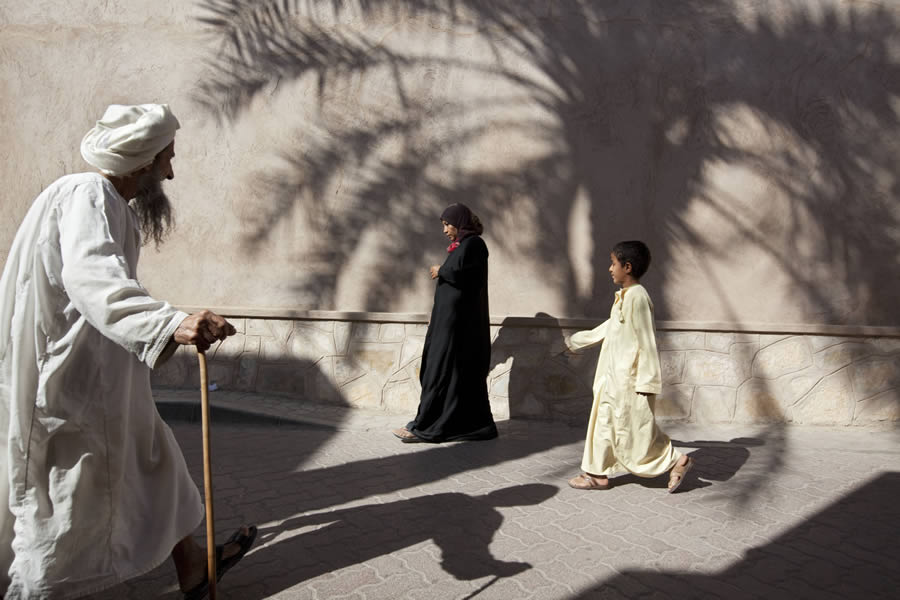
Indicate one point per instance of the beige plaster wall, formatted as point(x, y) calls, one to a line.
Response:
point(753, 145)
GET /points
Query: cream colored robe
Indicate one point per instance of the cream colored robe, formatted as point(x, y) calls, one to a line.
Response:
point(622, 434)
point(97, 488)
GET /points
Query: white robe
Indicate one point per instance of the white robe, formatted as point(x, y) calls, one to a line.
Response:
point(98, 490)
point(622, 434)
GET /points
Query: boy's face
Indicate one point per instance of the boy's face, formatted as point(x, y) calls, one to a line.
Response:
point(618, 271)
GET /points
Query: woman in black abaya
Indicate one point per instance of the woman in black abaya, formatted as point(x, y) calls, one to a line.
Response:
point(455, 361)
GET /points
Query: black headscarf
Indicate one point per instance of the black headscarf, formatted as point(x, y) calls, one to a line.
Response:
point(463, 219)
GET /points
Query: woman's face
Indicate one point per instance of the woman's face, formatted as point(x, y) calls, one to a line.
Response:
point(450, 231)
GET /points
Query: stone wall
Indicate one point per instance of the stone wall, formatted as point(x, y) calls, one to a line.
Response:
point(755, 146)
point(709, 377)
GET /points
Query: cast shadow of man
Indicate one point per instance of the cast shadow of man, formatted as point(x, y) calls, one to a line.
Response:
point(543, 383)
point(462, 526)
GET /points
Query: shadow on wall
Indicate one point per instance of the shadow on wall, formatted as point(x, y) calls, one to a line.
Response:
point(848, 550)
point(636, 109)
point(295, 379)
point(528, 365)
point(365, 365)
point(644, 104)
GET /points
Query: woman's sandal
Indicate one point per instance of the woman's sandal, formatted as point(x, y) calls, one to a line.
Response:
point(678, 473)
point(406, 436)
point(244, 541)
point(588, 482)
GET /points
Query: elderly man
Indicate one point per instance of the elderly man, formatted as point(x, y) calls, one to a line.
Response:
point(97, 487)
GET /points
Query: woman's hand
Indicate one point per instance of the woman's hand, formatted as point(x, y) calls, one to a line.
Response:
point(434, 271)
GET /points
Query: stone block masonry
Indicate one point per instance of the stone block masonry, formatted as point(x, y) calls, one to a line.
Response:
point(373, 362)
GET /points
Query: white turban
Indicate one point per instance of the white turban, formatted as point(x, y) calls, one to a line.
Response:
point(127, 138)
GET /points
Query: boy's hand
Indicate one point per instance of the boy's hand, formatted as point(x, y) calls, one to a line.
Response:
point(568, 352)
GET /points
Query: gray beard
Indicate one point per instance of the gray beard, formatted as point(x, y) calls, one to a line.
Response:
point(153, 208)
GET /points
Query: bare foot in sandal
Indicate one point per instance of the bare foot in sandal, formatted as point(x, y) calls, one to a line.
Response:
point(191, 566)
point(679, 471)
point(586, 481)
point(406, 436)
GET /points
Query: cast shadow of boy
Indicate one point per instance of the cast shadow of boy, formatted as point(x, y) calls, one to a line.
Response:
point(721, 461)
point(543, 383)
point(462, 526)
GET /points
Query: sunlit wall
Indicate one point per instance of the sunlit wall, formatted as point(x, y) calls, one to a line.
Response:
point(753, 146)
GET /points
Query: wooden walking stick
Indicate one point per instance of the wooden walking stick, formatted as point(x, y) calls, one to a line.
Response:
point(207, 478)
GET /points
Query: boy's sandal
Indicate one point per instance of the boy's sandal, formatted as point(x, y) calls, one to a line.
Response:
point(406, 436)
point(244, 541)
point(587, 482)
point(678, 473)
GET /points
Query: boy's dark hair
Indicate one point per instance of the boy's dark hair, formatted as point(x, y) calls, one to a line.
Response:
point(634, 252)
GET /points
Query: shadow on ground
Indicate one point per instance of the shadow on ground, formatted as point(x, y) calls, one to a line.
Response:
point(278, 477)
point(461, 525)
point(848, 550)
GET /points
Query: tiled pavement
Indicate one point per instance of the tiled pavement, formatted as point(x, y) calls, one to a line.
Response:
point(347, 511)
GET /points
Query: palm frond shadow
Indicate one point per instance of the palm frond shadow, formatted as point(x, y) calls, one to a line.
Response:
point(636, 104)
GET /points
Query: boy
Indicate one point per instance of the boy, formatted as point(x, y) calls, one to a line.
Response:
point(622, 434)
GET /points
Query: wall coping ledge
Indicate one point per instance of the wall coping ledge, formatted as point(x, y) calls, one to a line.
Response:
point(235, 312)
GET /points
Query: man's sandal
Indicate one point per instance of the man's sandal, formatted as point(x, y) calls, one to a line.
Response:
point(678, 473)
point(588, 482)
point(244, 541)
point(406, 436)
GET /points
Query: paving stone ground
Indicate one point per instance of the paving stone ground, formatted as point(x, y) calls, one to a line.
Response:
point(346, 511)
